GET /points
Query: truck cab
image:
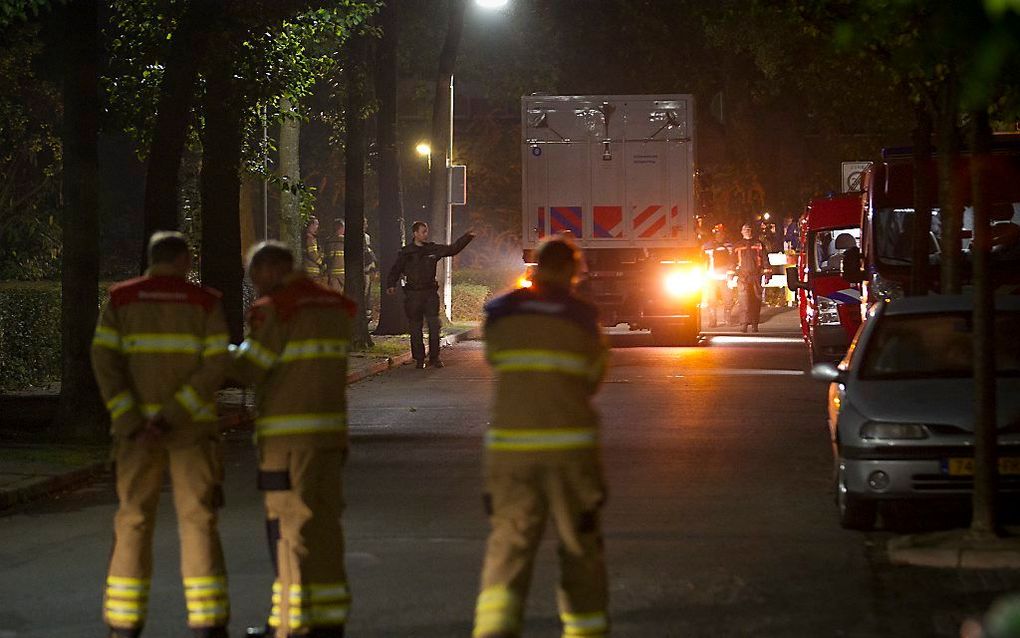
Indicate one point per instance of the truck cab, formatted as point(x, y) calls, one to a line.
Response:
point(829, 304)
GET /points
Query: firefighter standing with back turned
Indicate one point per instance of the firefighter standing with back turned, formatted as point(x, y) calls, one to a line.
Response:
point(296, 356)
point(542, 453)
point(159, 355)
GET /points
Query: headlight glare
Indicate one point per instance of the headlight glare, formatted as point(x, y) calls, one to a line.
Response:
point(684, 282)
point(892, 431)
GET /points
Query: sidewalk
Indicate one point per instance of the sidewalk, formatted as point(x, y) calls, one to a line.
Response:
point(775, 322)
point(32, 470)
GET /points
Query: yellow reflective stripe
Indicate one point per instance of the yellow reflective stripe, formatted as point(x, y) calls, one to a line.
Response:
point(161, 343)
point(150, 410)
point(120, 404)
point(257, 353)
point(329, 592)
point(215, 344)
point(199, 410)
point(314, 349)
point(541, 361)
point(498, 610)
point(549, 439)
point(300, 424)
point(593, 624)
point(107, 338)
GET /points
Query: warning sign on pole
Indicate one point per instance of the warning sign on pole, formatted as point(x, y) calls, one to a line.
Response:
point(853, 173)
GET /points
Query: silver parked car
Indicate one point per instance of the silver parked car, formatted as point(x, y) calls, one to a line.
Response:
point(901, 404)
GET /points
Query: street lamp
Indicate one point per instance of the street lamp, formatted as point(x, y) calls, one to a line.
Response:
point(489, 5)
point(424, 149)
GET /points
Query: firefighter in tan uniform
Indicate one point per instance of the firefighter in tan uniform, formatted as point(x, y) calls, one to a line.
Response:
point(312, 263)
point(296, 356)
point(335, 258)
point(159, 355)
point(542, 450)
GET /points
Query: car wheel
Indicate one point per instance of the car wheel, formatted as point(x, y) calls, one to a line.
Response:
point(854, 512)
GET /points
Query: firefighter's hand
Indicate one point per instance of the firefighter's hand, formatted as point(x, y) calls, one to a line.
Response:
point(153, 431)
point(391, 291)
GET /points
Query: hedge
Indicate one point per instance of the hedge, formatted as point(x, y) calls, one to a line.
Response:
point(468, 302)
point(29, 335)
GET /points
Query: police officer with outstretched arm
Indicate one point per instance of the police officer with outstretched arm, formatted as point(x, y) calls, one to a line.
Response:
point(416, 262)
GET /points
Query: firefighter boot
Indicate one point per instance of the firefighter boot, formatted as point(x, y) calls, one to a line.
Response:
point(210, 632)
point(125, 633)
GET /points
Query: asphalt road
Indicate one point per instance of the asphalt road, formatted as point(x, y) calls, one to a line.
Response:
point(720, 520)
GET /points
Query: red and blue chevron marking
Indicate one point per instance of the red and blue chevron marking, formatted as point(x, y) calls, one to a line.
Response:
point(565, 219)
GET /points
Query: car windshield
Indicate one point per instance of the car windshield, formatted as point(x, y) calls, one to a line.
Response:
point(937, 346)
point(894, 227)
point(829, 246)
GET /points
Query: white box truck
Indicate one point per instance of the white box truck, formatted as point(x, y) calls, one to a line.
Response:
point(616, 173)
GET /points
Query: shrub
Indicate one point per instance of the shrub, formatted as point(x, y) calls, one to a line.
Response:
point(29, 334)
point(468, 301)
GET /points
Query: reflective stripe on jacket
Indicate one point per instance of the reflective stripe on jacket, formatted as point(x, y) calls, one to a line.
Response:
point(160, 349)
point(296, 357)
point(549, 355)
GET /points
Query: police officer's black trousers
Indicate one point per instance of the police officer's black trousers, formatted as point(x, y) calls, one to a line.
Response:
point(422, 305)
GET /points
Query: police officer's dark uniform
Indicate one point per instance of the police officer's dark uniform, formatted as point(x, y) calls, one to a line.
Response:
point(417, 264)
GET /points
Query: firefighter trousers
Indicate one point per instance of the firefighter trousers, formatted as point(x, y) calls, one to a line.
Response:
point(302, 481)
point(196, 476)
point(521, 493)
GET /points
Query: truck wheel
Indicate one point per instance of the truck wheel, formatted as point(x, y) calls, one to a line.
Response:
point(854, 512)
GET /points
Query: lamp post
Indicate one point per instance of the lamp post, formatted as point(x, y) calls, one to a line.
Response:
point(424, 149)
point(447, 267)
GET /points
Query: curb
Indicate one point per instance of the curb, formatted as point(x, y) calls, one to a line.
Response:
point(401, 359)
point(41, 487)
point(45, 486)
point(954, 553)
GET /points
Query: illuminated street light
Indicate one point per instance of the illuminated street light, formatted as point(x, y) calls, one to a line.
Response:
point(423, 149)
point(491, 4)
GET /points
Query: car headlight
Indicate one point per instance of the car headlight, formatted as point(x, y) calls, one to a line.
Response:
point(884, 288)
point(828, 314)
point(891, 431)
point(684, 282)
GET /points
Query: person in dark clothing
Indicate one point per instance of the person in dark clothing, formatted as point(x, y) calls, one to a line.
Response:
point(416, 263)
point(749, 254)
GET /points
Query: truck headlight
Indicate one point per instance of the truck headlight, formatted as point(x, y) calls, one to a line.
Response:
point(684, 282)
point(888, 431)
point(828, 313)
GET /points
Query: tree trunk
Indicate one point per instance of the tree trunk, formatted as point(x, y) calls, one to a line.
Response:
point(392, 320)
point(290, 172)
point(920, 273)
point(176, 97)
point(221, 184)
point(354, 188)
point(80, 412)
point(950, 206)
point(984, 518)
point(442, 137)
